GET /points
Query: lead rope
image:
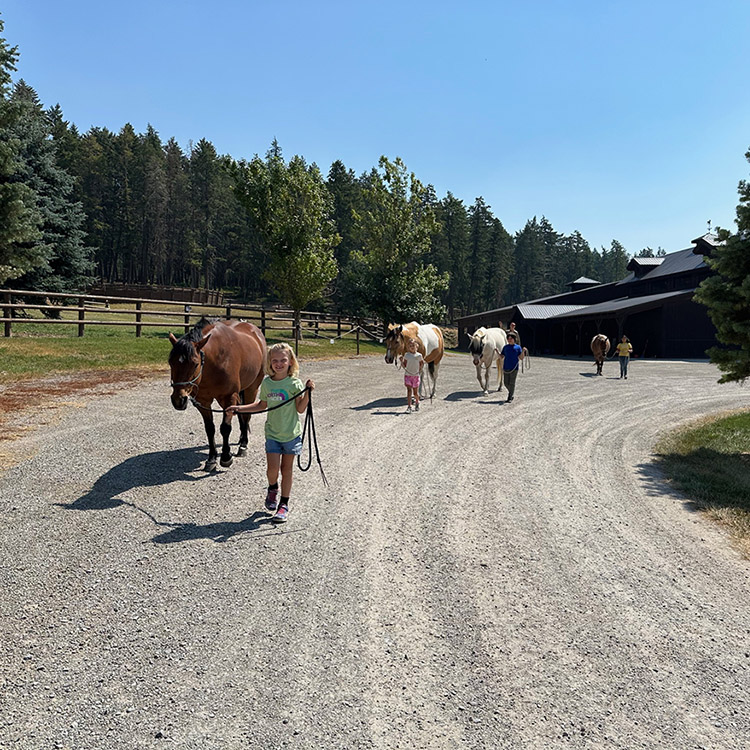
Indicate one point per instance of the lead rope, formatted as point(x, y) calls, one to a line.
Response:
point(312, 440)
point(312, 437)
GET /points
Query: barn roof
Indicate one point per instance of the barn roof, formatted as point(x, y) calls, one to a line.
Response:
point(626, 304)
point(679, 262)
point(584, 280)
point(543, 312)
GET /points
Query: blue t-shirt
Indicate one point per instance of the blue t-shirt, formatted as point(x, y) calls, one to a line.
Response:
point(511, 352)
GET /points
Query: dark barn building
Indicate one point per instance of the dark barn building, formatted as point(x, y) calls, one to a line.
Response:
point(653, 306)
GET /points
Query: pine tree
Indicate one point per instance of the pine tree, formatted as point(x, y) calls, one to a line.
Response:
point(68, 263)
point(20, 246)
point(450, 252)
point(727, 294)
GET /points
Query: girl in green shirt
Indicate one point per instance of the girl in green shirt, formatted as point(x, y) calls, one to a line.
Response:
point(283, 429)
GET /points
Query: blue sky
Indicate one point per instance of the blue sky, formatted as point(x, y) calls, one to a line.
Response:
point(622, 120)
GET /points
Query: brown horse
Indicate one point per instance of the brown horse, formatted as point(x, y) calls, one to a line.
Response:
point(599, 348)
point(430, 344)
point(223, 361)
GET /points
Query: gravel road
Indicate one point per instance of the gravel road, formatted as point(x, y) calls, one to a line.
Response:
point(478, 575)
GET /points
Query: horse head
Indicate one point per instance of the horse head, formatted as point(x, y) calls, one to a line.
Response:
point(186, 368)
point(394, 343)
point(476, 345)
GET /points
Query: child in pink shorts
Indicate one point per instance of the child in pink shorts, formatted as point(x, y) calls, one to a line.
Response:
point(412, 362)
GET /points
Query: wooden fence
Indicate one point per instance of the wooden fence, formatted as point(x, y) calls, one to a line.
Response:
point(99, 310)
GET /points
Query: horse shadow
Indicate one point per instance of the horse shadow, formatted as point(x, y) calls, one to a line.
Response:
point(145, 470)
point(463, 395)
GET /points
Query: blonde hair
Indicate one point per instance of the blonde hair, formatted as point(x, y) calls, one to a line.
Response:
point(282, 347)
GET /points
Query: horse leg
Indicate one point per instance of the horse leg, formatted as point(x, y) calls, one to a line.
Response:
point(208, 423)
point(479, 377)
point(433, 368)
point(244, 420)
point(226, 429)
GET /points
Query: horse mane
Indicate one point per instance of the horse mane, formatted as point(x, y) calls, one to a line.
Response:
point(186, 343)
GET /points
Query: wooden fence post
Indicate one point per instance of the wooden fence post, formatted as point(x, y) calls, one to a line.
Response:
point(358, 337)
point(229, 312)
point(138, 317)
point(187, 318)
point(338, 323)
point(263, 320)
point(7, 313)
point(81, 316)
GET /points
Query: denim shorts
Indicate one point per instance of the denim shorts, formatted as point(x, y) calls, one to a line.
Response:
point(291, 447)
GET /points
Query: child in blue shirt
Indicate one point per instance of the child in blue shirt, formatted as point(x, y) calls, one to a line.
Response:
point(510, 356)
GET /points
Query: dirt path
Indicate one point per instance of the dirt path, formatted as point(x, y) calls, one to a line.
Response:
point(479, 575)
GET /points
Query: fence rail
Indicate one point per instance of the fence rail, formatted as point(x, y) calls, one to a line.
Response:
point(100, 310)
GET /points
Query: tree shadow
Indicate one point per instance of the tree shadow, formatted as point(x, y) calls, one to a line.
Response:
point(146, 470)
point(700, 479)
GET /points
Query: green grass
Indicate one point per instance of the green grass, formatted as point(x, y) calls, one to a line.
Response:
point(33, 352)
point(709, 462)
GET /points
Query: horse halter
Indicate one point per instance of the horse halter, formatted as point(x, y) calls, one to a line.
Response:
point(195, 380)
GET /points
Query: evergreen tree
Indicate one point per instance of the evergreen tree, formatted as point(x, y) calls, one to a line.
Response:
point(727, 294)
point(176, 214)
point(67, 262)
point(346, 192)
point(20, 247)
point(500, 266)
point(480, 240)
point(450, 252)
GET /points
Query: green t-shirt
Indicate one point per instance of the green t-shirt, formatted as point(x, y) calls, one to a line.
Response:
point(281, 424)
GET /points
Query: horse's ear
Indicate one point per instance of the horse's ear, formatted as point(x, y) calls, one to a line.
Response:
point(173, 338)
point(203, 342)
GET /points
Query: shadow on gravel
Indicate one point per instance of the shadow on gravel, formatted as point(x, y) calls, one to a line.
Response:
point(216, 532)
point(381, 403)
point(462, 395)
point(147, 470)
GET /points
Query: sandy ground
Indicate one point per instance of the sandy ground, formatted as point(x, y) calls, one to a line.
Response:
point(478, 575)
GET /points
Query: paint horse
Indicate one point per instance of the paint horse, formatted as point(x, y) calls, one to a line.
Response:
point(485, 345)
point(218, 361)
point(430, 344)
point(599, 348)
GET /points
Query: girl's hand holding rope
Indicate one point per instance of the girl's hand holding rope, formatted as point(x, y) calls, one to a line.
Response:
point(308, 428)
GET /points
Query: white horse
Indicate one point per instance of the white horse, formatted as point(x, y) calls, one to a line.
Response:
point(485, 345)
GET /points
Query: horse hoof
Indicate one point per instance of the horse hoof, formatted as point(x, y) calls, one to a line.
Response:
point(226, 462)
point(241, 451)
point(210, 465)
point(485, 393)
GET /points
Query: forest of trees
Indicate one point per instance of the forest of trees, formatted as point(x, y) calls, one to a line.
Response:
point(130, 207)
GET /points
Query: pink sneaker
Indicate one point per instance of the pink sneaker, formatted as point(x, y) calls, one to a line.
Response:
point(272, 500)
point(282, 513)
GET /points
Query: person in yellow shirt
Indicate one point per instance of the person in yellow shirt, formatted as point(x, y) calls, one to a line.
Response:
point(624, 350)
